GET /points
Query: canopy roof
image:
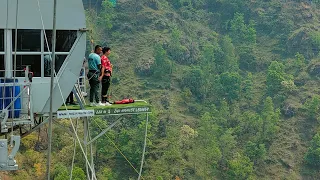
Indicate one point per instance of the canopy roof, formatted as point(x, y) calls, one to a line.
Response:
point(70, 14)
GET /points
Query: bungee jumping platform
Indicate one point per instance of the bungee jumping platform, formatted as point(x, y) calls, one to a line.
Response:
point(75, 111)
point(33, 87)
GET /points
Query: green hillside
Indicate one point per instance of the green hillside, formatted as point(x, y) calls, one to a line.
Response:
point(233, 84)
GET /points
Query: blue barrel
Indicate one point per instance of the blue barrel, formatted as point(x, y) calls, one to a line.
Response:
point(7, 96)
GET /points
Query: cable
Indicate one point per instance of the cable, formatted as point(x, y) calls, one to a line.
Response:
point(51, 89)
point(91, 150)
point(74, 152)
point(118, 149)
point(85, 156)
point(64, 103)
point(144, 147)
point(85, 133)
point(99, 127)
point(6, 34)
point(7, 23)
point(14, 68)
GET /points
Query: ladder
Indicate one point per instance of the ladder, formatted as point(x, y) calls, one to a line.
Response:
point(82, 82)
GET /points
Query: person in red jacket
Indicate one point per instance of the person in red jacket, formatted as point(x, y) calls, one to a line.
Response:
point(106, 72)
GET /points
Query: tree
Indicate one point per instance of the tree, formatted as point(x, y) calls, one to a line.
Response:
point(207, 152)
point(251, 35)
point(276, 77)
point(195, 81)
point(78, 174)
point(176, 50)
point(30, 141)
point(270, 120)
point(226, 60)
point(231, 84)
point(130, 139)
point(299, 61)
point(227, 145)
point(107, 14)
point(208, 59)
point(106, 174)
point(315, 37)
point(247, 57)
point(33, 157)
point(223, 117)
point(39, 170)
point(22, 175)
point(162, 129)
point(247, 88)
point(256, 152)
point(240, 32)
point(187, 135)
point(100, 22)
point(113, 2)
point(312, 107)
point(162, 66)
point(250, 126)
point(104, 148)
point(312, 157)
point(179, 3)
point(60, 172)
point(240, 168)
point(62, 176)
point(229, 7)
point(173, 154)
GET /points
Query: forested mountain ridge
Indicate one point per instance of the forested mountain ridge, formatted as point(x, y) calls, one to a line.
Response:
point(233, 85)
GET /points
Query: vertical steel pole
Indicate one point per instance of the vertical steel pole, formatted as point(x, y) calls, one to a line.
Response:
point(144, 147)
point(51, 86)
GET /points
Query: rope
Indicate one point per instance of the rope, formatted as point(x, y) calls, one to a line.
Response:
point(42, 23)
point(144, 147)
point(64, 103)
point(85, 133)
point(7, 23)
point(14, 68)
point(91, 44)
point(118, 149)
point(51, 89)
point(91, 150)
point(140, 176)
point(74, 152)
point(4, 88)
point(85, 156)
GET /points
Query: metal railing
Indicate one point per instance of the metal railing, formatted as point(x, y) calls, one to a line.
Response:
point(15, 96)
